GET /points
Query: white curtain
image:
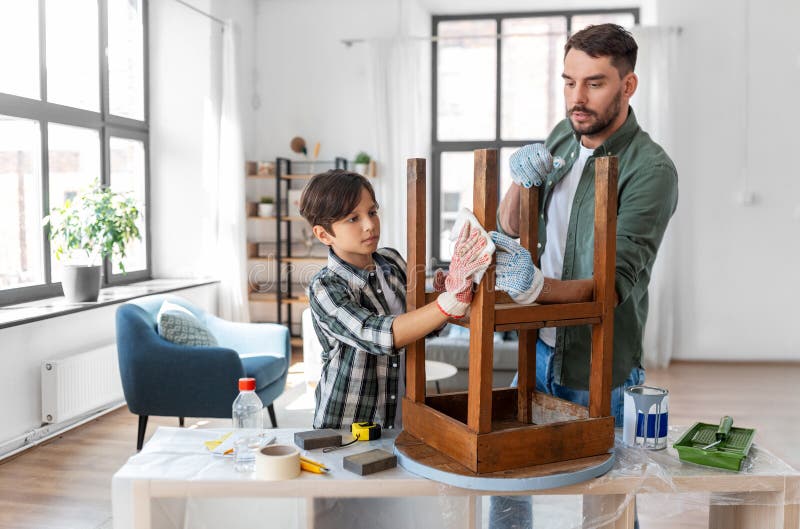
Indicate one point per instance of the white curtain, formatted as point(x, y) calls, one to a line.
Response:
point(399, 86)
point(654, 104)
point(230, 252)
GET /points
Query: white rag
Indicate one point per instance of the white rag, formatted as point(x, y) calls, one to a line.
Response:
point(465, 215)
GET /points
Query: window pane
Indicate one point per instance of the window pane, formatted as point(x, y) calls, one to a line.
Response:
point(581, 21)
point(457, 171)
point(74, 160)
point(73, 72)
point(126, 58)
point(466, 77)
point(19, 48)
point(532, 95)
point(127, 175)
point(21, 262)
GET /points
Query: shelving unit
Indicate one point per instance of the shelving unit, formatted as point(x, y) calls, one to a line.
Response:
point(292, 175)
point(287, 253)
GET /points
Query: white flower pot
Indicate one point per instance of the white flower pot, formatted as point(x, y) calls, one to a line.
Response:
point(81, 283)
point(360, 168)
point(266, 210)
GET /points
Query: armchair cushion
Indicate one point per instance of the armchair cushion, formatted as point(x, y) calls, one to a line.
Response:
point(178, 325)
point(264, 367)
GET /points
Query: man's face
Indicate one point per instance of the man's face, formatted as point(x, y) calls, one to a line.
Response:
point(594, 94)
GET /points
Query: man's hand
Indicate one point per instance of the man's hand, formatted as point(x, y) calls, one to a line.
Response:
point(468, 259)
point(515, 271)
point(531, 164)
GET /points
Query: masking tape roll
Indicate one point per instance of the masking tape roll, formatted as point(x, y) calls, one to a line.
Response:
point(277, 462)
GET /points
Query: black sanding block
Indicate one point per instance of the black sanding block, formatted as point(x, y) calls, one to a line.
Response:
point(369, 462)
point(312, 439)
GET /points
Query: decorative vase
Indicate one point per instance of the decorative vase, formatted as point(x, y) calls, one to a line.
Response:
point(266, 210)
point(81, 283)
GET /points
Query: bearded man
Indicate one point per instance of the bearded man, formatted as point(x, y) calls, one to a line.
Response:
point(598, 84)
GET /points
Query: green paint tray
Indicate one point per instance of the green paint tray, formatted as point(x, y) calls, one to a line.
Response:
point(729, 454)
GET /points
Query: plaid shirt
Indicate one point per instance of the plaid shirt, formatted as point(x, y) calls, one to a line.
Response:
point(353, 322)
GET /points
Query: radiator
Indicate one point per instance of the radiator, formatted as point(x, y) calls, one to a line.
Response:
point(80, 383)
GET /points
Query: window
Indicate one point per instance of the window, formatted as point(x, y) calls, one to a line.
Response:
point(72, 110)
point(496, 84)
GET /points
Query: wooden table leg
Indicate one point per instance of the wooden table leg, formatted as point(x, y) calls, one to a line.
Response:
point(618, 509)
point(791, 508)
point(141, 517)
point(311, 512)
point(764, 510)
point(475, 513)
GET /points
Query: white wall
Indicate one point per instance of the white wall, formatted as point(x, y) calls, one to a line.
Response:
point(310, 84)
point(185, 97)
point(25, 347)
point(737, 297)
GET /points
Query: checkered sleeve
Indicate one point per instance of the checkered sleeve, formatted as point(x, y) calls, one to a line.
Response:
point(343, 318)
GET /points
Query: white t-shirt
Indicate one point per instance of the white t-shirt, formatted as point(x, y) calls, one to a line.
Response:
point(558, 212)
point(395, 307)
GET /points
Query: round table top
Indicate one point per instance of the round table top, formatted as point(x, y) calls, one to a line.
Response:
point(438, 370)
point(423, 460)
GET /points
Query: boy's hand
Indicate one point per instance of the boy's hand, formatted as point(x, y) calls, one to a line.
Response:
point(515, 271)
point(468, 258)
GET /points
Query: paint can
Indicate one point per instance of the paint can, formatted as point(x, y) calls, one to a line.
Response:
point(646, 417)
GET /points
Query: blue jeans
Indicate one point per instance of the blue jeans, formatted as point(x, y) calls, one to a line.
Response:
point(515, 512)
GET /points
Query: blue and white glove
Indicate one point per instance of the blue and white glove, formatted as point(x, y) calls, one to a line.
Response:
point(515, 272)
point(530, 164)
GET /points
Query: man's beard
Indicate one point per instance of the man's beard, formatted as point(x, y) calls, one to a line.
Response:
point(602, 122)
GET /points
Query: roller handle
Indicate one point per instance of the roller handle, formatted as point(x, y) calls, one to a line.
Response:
point(724, 429)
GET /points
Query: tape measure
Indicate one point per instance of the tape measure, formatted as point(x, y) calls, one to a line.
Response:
point(366, 431)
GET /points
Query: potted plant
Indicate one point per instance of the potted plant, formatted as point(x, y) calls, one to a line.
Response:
point(266, 207)
point(96, 224)
point(361, 162)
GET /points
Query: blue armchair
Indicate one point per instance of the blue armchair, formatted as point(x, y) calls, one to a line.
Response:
point(166, 379)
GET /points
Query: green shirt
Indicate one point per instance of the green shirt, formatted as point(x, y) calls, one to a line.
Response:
point(648, 195)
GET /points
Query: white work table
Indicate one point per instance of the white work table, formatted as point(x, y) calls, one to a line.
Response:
point(175, 482)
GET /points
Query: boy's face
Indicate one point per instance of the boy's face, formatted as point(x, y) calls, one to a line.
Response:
point(355, 237)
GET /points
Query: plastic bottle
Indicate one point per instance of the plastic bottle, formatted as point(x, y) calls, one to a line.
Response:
point(247, 414)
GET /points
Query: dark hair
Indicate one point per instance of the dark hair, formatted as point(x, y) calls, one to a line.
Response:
point(606, 40)
point(331, 196)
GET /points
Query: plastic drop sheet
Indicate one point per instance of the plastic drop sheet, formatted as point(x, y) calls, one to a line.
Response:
point(184, 486)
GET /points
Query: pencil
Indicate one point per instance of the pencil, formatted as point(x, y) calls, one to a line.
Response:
point(312, 466)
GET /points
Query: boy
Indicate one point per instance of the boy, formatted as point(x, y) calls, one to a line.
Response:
point(358, 302)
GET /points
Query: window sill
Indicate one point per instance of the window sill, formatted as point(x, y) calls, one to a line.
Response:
point(43, 309)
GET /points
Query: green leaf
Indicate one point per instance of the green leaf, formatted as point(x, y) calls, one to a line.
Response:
point(99, 221)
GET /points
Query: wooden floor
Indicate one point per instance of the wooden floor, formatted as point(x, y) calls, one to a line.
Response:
point(66, 482)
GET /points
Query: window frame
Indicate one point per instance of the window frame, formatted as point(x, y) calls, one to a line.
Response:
point(439, 147)
point(105, 124)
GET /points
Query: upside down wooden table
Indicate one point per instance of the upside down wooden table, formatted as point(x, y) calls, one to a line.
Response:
point(174, 482)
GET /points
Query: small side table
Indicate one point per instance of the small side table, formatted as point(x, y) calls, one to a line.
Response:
point(436, 371)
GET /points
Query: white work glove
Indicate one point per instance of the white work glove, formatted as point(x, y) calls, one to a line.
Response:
point(468, 259)
point(531, 164)
point(515, 271)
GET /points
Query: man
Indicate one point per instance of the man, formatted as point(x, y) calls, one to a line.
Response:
point(598, 83)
